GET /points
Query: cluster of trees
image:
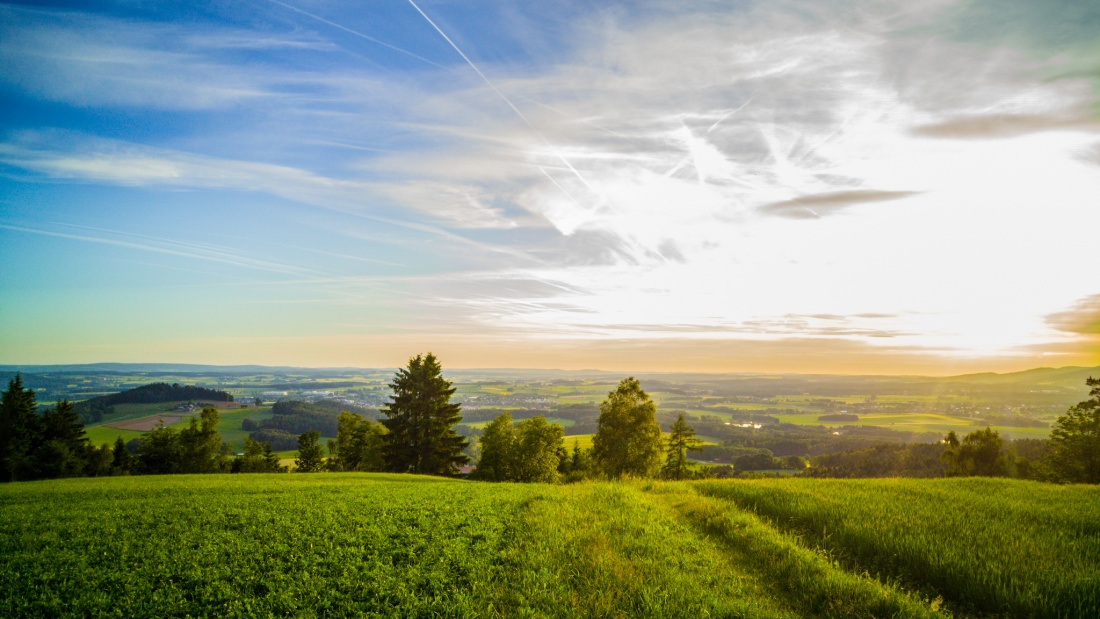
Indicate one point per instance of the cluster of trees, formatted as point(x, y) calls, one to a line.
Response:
point(34, 446)
point(627, 443)
point(883, 460)
point(530, 451)
point(54, 444)
point(1070, 455)
point(290, 418)
point(417, 434)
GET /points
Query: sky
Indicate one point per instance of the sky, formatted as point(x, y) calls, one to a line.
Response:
point(811, 186)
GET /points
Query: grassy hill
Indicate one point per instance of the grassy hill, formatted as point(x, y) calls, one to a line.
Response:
point(349, 545)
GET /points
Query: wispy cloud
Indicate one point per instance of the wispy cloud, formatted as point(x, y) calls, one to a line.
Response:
point(892, 174)
point(825, 204)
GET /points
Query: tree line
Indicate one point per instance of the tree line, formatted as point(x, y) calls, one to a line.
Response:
point(1070, 455)
point(417, 434)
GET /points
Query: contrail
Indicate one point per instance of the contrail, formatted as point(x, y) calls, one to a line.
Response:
point(503, 97)
point(358, 34)
point(225, 259)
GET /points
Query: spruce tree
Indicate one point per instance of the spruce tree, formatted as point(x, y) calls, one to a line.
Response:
point(421, 419)
point(681, 440)
point(62, 447)
point(311, 456)
point(20, 430)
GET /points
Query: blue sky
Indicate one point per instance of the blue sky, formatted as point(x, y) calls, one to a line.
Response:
point(811, 186)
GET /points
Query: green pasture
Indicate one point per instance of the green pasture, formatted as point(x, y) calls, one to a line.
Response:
point(377, 545)
point(98, 435)
point(229, 423)
point(987, 546)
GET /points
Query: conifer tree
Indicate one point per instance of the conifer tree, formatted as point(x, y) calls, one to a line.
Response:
point(123, 462)
point(311, 456)
point(62, 448)
point(20, 429)
point(421, 419)
point(680, 441)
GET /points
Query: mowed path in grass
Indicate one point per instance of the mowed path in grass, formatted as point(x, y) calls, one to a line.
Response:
point(351, 545)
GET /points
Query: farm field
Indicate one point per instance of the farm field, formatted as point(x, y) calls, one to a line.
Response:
point(916, 422)
point(344, 545)
point(229, 424)
point(585, 440)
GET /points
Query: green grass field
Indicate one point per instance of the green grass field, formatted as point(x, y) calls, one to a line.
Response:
point(354, 545)
point(997, 546)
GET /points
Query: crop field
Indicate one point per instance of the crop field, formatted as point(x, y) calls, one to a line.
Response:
point(145, 424)
point(349, 545)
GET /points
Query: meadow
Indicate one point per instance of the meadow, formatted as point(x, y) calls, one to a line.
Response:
point(348, 545)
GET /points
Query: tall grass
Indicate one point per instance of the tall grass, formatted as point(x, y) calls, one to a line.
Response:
point(369, 545)
point(805, 578)
point(988, 546)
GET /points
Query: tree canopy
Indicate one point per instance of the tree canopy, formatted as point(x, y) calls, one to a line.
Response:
point(358, 444)
point(421, 419)
point(311, 456)
point(980, 453)
point(529, 451)
point(1075, 441)
point(628, 440)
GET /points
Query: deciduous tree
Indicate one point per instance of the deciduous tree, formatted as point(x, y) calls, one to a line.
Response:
point(258, 458)
point(628, 439)
point(421, 418)
point(529, 451)
point(1075, 441)
point(159, 452)
point(358, 444)
point(201, 449)
point(535, 458)
point(980, 453)
point(497, 444)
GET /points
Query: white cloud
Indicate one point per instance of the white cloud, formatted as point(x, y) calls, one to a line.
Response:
point(707, 173)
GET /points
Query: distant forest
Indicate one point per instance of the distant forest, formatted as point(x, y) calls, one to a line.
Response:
point(93, 410)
